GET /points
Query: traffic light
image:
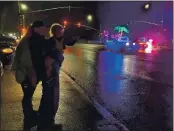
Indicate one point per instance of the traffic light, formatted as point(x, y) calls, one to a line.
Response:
point(65, 23)
point(78, 24)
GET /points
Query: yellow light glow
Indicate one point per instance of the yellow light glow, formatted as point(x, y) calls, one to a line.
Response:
point(23, 31)
point(89, 18)
point(142, 51)
point(7, 50)
point(24, 7)
point(17, 40)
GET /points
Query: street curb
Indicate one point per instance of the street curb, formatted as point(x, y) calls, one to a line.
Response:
point(102, 110)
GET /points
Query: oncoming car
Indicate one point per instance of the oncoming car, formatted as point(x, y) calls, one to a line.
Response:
point(7, 39)
point(129, 46)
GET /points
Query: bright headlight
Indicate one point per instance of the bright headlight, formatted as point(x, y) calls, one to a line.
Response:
point(7, 50)
point(127, 44)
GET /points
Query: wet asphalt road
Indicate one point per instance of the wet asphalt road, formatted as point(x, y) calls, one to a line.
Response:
point(137, 90)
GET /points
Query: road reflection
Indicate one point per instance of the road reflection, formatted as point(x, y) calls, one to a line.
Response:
point(110, 67)
point(110, 78)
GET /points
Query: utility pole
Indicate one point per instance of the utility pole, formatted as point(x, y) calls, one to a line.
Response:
point(19, 21)
point(69, 8)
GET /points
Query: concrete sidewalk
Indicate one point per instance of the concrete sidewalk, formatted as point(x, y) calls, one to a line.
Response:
point(75, 112)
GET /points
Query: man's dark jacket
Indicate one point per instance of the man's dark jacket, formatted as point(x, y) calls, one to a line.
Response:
point(37, 44)
point(41, 47)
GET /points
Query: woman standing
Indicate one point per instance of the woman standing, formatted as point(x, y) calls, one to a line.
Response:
point(53, 61)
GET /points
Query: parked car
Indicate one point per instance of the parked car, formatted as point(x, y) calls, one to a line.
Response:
point(6, 53)
point(7, 39)
point(1, 69)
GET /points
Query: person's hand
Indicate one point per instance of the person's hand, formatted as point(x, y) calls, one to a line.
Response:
point(33, 78)
point(34, 81)
point(48, 62)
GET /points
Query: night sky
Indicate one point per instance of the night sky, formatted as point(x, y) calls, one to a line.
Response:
point(108, 13)
point(112, 13)
point(9, 10)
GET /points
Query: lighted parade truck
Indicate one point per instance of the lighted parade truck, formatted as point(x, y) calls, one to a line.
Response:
point(118, 41)
point(145, 44)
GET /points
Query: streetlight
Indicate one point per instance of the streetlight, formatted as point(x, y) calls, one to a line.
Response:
point(89, 18)
point(21, 7)
point(24, 7)
point(147, 6)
